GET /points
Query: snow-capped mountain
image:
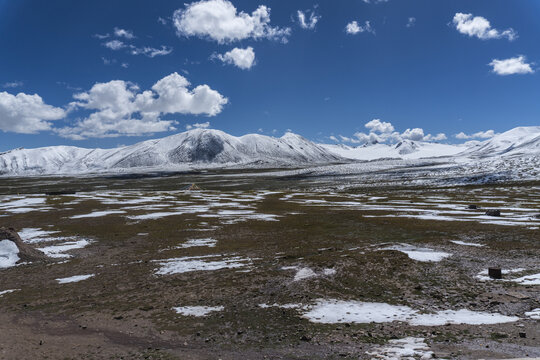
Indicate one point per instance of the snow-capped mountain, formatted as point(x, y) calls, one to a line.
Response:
point(405, 149)
point(198, 147)
point(209, 148)
point(516, 142)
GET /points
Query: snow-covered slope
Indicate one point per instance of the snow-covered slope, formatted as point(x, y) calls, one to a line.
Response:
point(520, 141)
point(208, 148)
point(405, 149)
point(516, 142)
point(200, 146)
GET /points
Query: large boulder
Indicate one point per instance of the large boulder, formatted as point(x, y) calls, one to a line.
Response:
point(26, 251)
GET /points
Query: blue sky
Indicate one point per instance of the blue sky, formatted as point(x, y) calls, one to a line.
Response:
point(438, 72)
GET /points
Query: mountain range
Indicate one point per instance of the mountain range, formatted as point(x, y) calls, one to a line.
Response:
point(215, 148)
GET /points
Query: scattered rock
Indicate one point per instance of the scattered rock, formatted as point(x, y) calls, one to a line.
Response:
point(522, 335)
point(305, 338)
point(518, 295)
point(493, 212)
point(193, 187)
point(472, 207)
point(26, 251)
point(495, 273)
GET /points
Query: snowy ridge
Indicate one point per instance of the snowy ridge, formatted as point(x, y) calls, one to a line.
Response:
point(516, 142)
point(214, 148)
point(405, 149)
point(200, 147)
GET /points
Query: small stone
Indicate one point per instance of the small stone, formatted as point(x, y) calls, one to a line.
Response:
point(305, 338)
point(472, 207)
point(522, 335)
point(493, 212)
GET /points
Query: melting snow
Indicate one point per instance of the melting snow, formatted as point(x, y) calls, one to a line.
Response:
point(98, 214)
point(23, 205)
point(198, 311)
point(8, 254)
point(200, 263)
point(407, 348)
point(58, 251)
point(534, 314)
point(419, 254)
point(303, 273)
point(457, 242)
point(73, 279)
point(7, 291)
point(199, 242)
point(337, 311)
point(528, 280)
point(533, 279)
point(35, 235)
point(329, 272)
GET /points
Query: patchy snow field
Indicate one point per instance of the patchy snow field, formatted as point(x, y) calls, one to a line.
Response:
point(197, 311)
point(73, 279)
point(283, 266)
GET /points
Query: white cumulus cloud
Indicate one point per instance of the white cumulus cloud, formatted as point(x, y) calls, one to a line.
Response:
point(515, 65)
point(308, 19)
point(438, 137)
point(480, 27)
point(115, 44)
point(376, 125)
point(384, 132)
point(12, 84)
point(354, 28)
point(118, 108)
point(151, 52)
point(123, 33)
point(220, 21)
point(488, 134)
point(242, 58)
point(416, 134)
point(26, 114)
point(204, 125)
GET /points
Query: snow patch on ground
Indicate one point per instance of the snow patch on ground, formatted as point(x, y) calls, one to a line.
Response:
point(200, 263)
point(36, 235)
point(528, 280)
point(23, 205)
point(457, 242)
point(209, 242)
point(534, 314)
point(338, 311)
point(75, 278)
point(407, 348)
point(533, 279)
point(59, 251)
point(419, 254)
point(98, 214)
point(9, 254)
point(198, 311)
point(4, 292)
point(303, 273)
